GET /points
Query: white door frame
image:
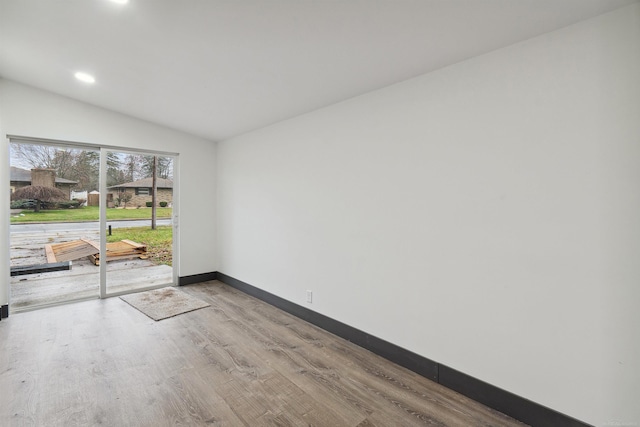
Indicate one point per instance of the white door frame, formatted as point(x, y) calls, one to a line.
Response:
point(102, 149)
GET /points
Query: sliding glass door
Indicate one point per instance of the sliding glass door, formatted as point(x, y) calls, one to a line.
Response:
point(89, 221)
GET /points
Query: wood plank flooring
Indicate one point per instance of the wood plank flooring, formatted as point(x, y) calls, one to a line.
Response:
point(239, 362)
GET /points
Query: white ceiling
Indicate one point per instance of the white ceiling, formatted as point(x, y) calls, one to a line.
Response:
point(218, 68)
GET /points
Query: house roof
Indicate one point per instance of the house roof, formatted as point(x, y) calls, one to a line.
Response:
point(24, 175)
point(145, 183)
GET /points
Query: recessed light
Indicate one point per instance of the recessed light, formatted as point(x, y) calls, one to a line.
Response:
point(120, 1)
point(84, 77)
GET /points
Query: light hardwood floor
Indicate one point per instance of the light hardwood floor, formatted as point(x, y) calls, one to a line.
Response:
point(239, 362)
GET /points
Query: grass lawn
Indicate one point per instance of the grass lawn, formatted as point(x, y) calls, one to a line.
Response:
point(158, 241)
point(87, 213)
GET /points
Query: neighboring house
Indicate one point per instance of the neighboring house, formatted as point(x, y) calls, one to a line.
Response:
point(22, 177)
point(140, 192)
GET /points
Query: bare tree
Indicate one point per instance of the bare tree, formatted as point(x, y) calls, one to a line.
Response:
point(131, 166)
point(114, 173)
point(35, 156)
point(163, 166)
point(47, 157)
point(86, 169)
point(124, 197)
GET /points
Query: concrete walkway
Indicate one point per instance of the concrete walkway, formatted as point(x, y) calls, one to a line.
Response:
point(27, 248)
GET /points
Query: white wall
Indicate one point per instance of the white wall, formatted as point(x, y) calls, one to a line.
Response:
point(27, 111)
point(486, 216)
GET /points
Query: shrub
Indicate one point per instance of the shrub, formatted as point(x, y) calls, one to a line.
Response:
point(47, 205)
point(69, 204)
point(163, 204)
point(23, 204)
point(149, 204)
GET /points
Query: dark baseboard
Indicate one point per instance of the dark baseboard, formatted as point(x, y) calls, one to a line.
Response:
point(501, 400)
point(398, 355)
point(197, 278)
point(4, 311)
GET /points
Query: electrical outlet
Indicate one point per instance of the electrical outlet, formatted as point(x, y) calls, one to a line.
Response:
point(309, 297)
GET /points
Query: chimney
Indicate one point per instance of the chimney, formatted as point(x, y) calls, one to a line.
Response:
point(43, 177)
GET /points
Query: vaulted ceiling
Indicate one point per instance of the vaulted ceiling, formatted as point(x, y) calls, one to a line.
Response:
point(219, 68)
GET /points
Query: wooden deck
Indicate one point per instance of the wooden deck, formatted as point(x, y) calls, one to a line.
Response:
point(82, 281)
point(239, 362)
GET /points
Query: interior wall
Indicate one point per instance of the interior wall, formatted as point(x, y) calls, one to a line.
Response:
point(27, 111)
point(484, 216)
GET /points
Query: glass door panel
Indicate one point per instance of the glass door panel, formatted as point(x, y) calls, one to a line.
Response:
point(54, 229)
point(139, 227)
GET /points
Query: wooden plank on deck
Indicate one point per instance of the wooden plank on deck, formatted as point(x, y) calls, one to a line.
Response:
point(51, 257)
